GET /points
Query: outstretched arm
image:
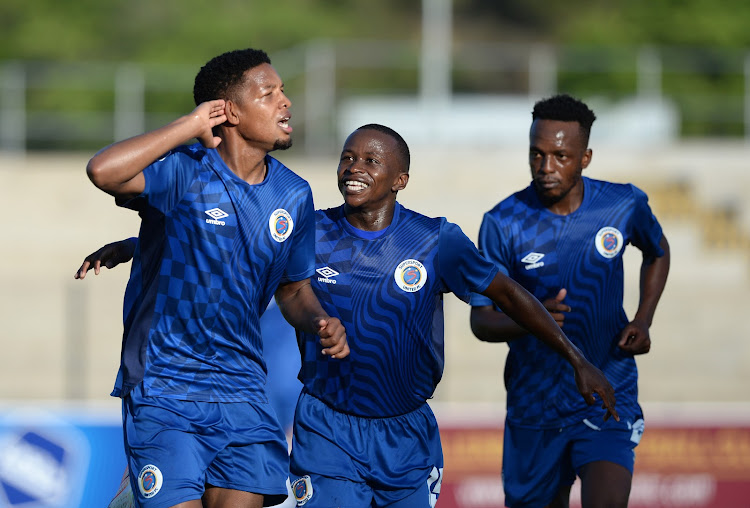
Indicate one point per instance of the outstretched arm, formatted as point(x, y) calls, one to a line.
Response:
point(522, 307)
point(301, 308)
point(635, 337)
point(117, 169)
point(110, 256)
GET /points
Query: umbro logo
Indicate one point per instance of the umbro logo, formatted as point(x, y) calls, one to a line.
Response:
point(216, 214)
point(326, 273)
point(533, 260)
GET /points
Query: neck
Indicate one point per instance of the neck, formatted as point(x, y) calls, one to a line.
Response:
point(246, 161)
point(370, 220)
point(568, 203)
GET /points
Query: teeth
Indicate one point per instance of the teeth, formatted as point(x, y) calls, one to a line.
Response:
point(356, 185)
point(284, 123)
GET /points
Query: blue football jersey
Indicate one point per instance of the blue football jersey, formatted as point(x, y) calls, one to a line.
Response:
point(388, 293)
point(212, 250)
point(581, 252)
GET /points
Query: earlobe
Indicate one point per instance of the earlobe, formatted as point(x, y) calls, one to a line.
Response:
point(587, 158)
point(231, 112)
point(403, 179)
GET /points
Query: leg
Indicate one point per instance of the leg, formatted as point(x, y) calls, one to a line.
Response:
point(605, 484)
point(217, 497)
point(562, 499)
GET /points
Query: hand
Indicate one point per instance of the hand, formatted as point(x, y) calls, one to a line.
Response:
point(209, 114)
point(556, 308)
point(110, 255)
point(332, 337)
point(635, 338)
point(591, 380)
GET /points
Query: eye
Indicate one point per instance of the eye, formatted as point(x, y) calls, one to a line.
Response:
point(372, 161)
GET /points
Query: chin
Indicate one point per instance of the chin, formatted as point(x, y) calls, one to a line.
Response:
point(282, 144)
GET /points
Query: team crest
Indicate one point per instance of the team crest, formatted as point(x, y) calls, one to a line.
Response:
point(302, 489)
point(608, 242)
point(149, 481)
point(410, 275)
point(280, 224)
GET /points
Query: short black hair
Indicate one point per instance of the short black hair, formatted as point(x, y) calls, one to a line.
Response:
point(219, 78)
point(564, 108)
point(402, 147)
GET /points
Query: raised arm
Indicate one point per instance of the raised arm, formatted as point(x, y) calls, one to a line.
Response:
point(117, 169)
point(635, 337)
point(522, 307)
point(301, 308)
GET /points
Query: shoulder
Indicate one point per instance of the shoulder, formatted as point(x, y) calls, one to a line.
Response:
point(285, 176)
point(514, 207)
point(414, 219)
point(615, 189)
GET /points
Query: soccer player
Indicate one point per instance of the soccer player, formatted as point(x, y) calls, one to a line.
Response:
point(563, 238)
point(224, 228)
point(364, 434)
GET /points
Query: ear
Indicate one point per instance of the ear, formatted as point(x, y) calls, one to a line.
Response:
point(401, 181)
point(232, 112)
point(586, 160)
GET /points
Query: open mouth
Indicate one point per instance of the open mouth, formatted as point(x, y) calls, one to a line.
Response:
point(284, 124)
point(355, 186)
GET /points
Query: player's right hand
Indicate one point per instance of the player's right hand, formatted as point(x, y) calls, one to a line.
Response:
point(110, 256)
point(556, 308)
point(209, 114)
point(590, 381)
point(333, 337)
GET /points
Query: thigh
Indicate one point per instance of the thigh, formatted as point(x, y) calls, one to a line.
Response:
point(254, 458)
point(154, 429)
point(603, 456)
point(317, 491)
point(535, 465)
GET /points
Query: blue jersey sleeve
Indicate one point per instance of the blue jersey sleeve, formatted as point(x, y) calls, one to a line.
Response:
point(646, 231)
point(302, 258)
point(492, 247)
point(167, 180)
point(463, 268)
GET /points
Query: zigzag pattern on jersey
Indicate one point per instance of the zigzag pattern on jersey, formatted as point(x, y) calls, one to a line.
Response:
point(542, 388)
point(391, 368)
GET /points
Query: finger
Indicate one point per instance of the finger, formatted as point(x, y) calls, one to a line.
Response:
point(589, 399)
point(81, 273)
point(561, 295)
point(97, 266)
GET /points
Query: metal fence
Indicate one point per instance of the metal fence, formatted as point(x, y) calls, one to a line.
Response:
point(85, 105)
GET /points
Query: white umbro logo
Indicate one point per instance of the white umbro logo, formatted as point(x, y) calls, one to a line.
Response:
point(326, 273)
point(533, 260)
point(216, 214)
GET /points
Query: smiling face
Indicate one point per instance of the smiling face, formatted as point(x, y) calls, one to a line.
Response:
point(371, 171)
point(260, 109)
point(557, 157)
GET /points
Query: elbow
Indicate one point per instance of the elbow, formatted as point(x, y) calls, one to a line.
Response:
point(97, 173)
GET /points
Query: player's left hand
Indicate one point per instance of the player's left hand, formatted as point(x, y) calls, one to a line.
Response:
point(635, 338)
point(332, 337)
point(590, 381)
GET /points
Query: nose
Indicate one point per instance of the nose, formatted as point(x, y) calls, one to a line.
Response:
point(285, 101)
point(546, 165)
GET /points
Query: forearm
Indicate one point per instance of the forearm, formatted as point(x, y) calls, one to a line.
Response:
point(299, 306)
point(654, 272)
point(116, 168)
point(490, 325)
point(530, 315)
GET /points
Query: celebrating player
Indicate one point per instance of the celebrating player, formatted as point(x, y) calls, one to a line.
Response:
point(563, 238)
point(364, 434)
point(224, 227)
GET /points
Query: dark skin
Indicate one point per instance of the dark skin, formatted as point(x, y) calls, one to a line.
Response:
point(371, 173)
point(558, 154)
point(248, 124)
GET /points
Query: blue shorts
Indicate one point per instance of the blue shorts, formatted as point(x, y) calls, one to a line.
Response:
point(175, 448)
point(349, 461)
point(537, 462)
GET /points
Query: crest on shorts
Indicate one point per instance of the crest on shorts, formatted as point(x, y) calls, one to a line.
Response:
point(410, 275)
point(608, 242)
point(280, 224)
point(150, 481)
point(302, 489)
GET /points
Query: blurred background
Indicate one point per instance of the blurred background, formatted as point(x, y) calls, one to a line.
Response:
point(669, 82)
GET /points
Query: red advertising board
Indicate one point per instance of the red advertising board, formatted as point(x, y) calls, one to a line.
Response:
point(700, 460)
